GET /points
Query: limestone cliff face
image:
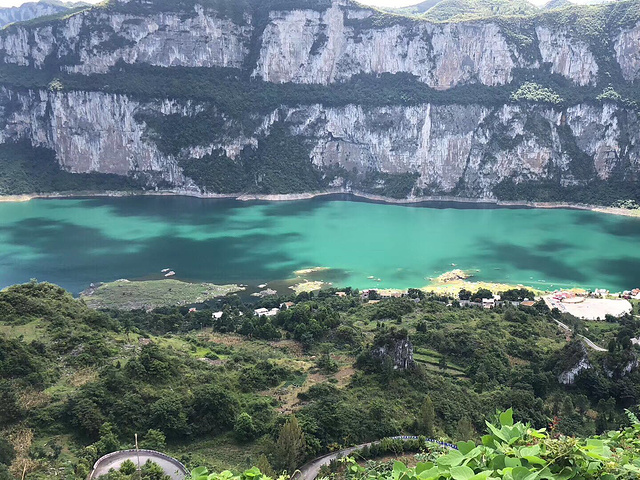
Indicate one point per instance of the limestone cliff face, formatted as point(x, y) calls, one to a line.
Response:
point(93, 41)
point(464, 148)
point(306, 46)
point(628, 53)
point(568, 57)
point(91, 132)
point(27, 11)
point(322, 45)
point(472, 148)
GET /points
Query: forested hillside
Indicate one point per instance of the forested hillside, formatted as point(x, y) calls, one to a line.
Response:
point(76, 383)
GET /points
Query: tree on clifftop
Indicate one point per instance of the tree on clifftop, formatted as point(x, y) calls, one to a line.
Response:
point(291, 445)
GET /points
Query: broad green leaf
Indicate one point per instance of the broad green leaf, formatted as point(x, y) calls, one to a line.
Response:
point(433, 472)
point(253, 472)
point(476, 452)
point(530, 451)
point(497, 462)
point(461, 473)
point(506, 418)
point(487, 440)
point(482, 475)
point(545, 473)
point(453, 458)
point(512, 462)
point(466, 447)
point(597, 455)
point(422, 466)
point(565, 474)
point(532, 459)
point(593, 467)
point(497, 433)
point(399, 467)
point(520, 473)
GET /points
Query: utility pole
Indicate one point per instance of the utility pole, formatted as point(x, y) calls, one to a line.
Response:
point(138, 455)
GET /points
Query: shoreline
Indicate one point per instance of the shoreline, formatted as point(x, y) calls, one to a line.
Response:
point(308, 196)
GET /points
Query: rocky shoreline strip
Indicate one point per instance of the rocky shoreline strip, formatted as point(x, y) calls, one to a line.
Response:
point(307, 196)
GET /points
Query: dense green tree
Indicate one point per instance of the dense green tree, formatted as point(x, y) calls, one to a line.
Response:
point(214, 409)
point(464, 429)
point(4, 473)
point(7, 452)
point(290, 446)
point(464, 294)
point(170, 414)
point(427, 417)
point(244, 429)
point(128, 467)
point(152, 364)
point(480, 294)
point(11, 410)
point(87, 416)
point(153, 471)
point(264, 466)
point(154, 440)
point(442, 363)
point(108, 442)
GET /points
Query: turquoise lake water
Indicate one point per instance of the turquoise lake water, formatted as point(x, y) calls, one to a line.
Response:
point(74, 242)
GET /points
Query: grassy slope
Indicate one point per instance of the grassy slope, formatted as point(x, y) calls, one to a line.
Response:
point(151, 294)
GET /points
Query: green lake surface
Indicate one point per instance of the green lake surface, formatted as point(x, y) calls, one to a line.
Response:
point(74, 242)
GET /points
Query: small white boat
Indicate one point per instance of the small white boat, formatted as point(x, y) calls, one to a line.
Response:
point(371, 277)
point(165, 270)
point(170, 274)
point(262, 285)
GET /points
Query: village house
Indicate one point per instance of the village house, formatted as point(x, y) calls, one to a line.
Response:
point(488, 302)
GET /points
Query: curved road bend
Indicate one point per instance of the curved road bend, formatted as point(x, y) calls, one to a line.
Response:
point(310, 470)
point(171, 467)
point(584, 339)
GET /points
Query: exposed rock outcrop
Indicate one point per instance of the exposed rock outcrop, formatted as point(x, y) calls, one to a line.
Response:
point(395, 348)
point(568, 377)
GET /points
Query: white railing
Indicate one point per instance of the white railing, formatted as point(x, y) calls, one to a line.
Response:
point(132, 454)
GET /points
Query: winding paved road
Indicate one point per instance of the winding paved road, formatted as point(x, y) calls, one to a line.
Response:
point(584, 339)
point(171, 466)
point(310, 470)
